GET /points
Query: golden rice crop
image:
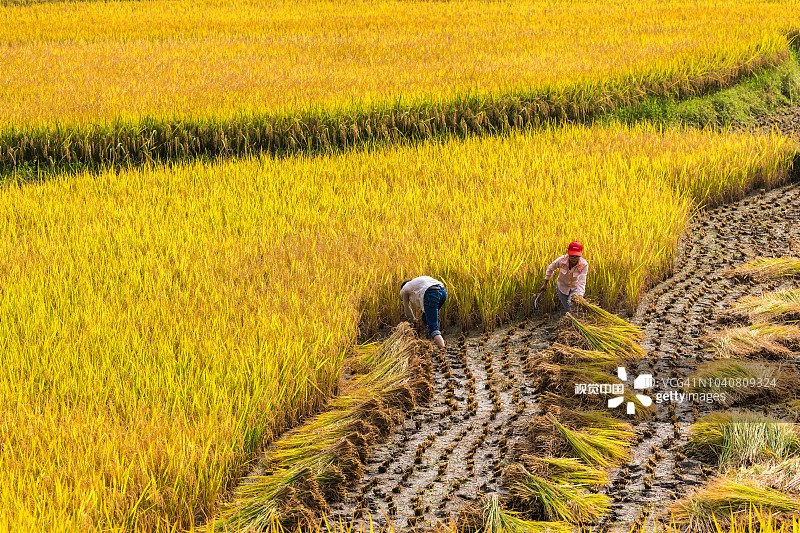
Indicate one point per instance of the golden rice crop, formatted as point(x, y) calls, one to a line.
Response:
point(99, 61)
point(160, 325)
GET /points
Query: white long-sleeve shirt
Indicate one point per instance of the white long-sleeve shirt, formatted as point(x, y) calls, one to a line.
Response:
point(413, 293)
point(569, 279)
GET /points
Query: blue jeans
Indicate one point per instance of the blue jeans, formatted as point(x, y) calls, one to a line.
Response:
point(565, 303)
point(434, 299)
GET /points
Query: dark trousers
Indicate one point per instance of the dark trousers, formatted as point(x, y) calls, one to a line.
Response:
point(434, 299)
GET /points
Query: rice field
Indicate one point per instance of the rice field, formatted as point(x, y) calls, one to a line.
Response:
point(160, 324)
point(99, 61)
point(178, 79)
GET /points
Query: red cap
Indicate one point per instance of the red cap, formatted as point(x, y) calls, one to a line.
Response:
point(575, 248)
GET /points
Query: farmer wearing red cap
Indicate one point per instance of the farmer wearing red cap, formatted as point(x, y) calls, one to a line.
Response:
point(572, 269)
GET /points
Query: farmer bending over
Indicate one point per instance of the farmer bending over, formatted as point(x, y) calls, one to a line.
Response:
point(572, 270)
point(428, 295)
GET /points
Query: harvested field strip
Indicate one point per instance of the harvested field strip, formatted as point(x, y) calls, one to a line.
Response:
point(193, 312)
point(675, 316)
point(314, 463)
point(257, 78)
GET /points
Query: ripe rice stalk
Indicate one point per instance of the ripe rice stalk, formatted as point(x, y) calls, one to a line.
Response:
point(553, 501)
point(488, 516)
point(564, 470)
point(757, 340)
point(567, 355)
point(613, 340)
point(736, 382)
point(602, 318)
point(602, 447)
point(779, 475)
point(780, 306)
point(726, 501)
point(765, 268)
point(742, 438)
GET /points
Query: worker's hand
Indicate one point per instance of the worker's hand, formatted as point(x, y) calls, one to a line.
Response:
point(543, 287)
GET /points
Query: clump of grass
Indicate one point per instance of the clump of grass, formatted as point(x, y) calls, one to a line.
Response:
point(488, 516)
point(736, 381)
point(551, 500)
point(782, 306)
point(768, 340)
point(728, 502)
point(765, 268)
point(741, 438)
point(614, 340)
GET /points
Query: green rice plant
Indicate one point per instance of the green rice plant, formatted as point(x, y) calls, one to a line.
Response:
point(613, 340)
point(602, 318)
point(755, 340)
point(783, 306)
point(767, 268)
point(600, 446)
point(741, 438)
point(726, 501)
point(554, 501)
point(734, 381)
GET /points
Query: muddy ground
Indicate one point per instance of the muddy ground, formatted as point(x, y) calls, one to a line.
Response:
point(454, 449)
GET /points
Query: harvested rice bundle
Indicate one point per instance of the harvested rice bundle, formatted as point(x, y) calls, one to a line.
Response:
point(488, 516)
point(600, 446)
point(765, 268)
point(727, 502)
point(779, 475)
point(567, 355)
point(742, 438)
point(552, 500)
point(602, 318)
point(766, 340)
point(552, 400)
point(734, 381)
point(779, 306)
point(611, 339)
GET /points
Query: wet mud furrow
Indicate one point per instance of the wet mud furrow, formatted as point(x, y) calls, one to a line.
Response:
point(674, 317)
